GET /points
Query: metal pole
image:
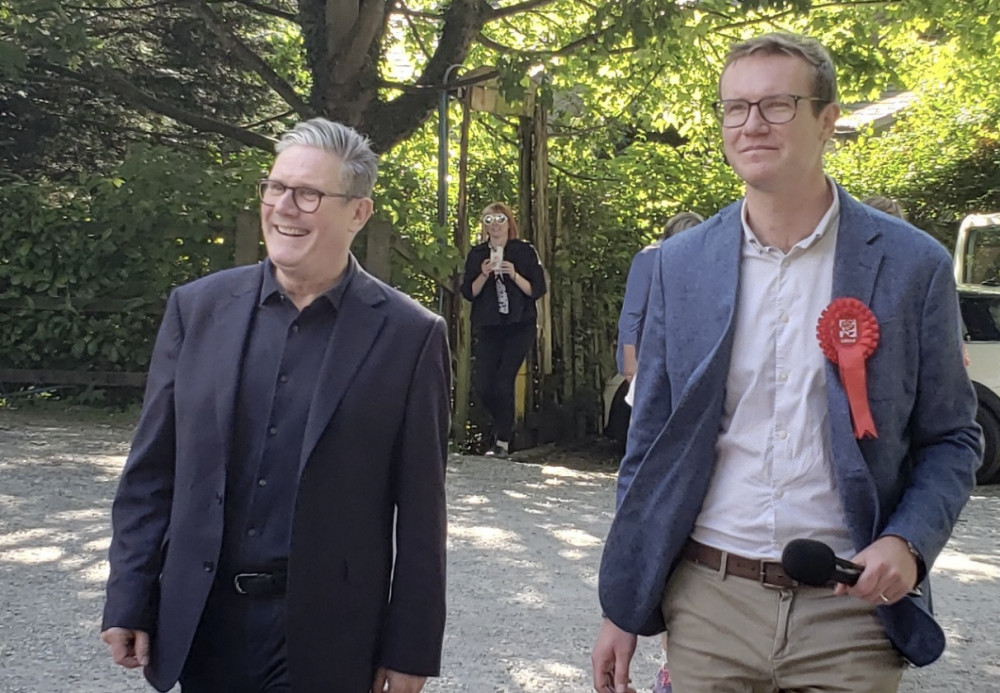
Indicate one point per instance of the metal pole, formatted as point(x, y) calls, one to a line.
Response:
point(442, 191)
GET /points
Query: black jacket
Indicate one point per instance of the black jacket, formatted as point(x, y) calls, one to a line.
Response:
point(485, 310)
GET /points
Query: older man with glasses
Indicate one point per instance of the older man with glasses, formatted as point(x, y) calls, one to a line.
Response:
point(800, 377)
point(280, 521)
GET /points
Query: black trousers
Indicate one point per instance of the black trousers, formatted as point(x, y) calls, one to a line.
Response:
point(500, 351)
point(239, 646)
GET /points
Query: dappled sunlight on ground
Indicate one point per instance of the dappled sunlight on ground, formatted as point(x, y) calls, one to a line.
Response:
point(525, 543)
point(967, 568)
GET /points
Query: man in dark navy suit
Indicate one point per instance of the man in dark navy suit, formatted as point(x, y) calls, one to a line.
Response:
point(280, 521)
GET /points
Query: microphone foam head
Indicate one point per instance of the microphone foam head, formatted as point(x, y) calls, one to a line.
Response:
point(809, 561)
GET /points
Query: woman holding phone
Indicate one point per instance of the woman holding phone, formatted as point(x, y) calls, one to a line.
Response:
point(503, 279)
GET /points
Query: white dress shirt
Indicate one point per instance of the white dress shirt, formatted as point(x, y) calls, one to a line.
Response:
point(773, 480)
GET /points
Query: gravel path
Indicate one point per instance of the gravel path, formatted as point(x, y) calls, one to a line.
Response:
point(524, 546)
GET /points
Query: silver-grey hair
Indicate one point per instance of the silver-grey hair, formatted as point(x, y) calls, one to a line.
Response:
point(680, 222)
point(359, 167)
point(797, 46)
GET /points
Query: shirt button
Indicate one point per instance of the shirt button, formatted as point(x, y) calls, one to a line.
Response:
point(782, 377)
point(273, 430)
point(209, 566)
point(251, 532)
point(783, 317)
point(784, 264)
point(283, 378)
point(782, 434)
point(262, 482)
point(296, 328)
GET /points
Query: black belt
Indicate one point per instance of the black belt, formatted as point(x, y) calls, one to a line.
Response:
point(261, 584)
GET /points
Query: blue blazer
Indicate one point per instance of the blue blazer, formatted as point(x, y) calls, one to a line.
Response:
point(373, 459)
point(913, 480)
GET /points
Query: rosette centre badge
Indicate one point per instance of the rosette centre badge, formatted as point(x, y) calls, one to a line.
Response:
point(848, 334)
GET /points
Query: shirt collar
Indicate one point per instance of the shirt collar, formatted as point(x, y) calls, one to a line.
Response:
point(269, 286)
point(828, 221)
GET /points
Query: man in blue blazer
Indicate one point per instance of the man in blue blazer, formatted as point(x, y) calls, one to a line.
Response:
point(744, 436)
point(280, 521)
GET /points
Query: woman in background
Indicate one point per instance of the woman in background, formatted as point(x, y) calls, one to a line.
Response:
point(503, 279)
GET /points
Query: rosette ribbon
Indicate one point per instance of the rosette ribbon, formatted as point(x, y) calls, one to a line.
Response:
point(848, 334)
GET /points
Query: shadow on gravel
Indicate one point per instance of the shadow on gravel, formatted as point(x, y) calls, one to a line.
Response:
point(58, 480)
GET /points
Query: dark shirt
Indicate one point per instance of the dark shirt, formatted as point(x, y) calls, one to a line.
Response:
point(485, 306)
point(282, 357)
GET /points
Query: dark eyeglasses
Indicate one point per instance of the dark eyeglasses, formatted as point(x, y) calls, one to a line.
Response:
point(306, 199)
point(776, 110)
point(498, 218)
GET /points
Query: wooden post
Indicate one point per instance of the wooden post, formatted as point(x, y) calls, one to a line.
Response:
point(246, 247)
point(379, 241)
point(543, 235)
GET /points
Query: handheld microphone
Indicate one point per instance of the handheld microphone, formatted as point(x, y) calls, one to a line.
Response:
point(813, 563)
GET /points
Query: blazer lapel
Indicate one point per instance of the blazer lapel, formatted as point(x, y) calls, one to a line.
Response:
point(717, 291)
point(232, 324)
point(856, 265)
point(358, 324)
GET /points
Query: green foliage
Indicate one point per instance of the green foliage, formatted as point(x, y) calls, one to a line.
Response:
point(940, 158)
point(163, 219)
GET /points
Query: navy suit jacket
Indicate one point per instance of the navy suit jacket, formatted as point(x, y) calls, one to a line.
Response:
point(372, 461)
point(912, 481)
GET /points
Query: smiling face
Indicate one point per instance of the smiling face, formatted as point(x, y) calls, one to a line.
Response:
point(773, 158)
point(313, 247)
point(494, 230)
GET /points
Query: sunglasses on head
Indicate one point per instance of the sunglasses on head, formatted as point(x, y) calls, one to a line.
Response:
point(498, 218)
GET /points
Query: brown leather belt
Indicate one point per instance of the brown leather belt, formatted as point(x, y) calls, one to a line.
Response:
point(767, 573)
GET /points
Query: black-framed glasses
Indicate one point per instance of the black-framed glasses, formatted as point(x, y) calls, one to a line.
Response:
point(306, 199)
point(498, 218)
point(776, 110)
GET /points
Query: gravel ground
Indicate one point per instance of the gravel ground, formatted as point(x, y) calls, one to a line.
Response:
point(524, 545)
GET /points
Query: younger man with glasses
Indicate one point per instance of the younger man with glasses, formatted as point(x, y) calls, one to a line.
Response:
point(280, 521)
point(746, 434)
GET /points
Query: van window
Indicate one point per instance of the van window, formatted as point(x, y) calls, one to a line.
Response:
point(982, 256)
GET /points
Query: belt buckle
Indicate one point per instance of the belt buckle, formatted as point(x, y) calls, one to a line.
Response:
point(762, 577)
point(236, 581)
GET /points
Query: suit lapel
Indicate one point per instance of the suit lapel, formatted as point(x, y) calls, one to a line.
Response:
point(358, 324)
point(857, 259)
point(714, 319)
point(232, 320)
point(856, 265)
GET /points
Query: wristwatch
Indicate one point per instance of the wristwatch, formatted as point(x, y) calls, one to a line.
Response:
point(921, 566)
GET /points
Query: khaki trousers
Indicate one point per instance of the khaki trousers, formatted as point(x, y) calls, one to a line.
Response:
point(731, 634)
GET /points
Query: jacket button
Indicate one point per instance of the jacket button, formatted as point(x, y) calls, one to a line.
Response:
point(209, 566)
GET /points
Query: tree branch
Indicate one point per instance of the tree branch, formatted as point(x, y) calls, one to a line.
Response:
point(407, 12)
point(136, 96)
point(273, 11)
point(251, 60)
point(416, 36)
point(501, 12)
point(370, 20)
point(565, 50)
point(454, 84)
point(388, 123)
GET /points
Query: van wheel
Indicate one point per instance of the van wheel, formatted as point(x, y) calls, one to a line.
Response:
point(989, 472)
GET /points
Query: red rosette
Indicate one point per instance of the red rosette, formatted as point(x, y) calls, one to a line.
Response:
point(848, 334)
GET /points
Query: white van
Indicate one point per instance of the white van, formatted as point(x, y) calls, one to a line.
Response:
point(977, 273)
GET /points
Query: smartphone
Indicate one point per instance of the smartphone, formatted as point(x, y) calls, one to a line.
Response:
point(496, 258)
